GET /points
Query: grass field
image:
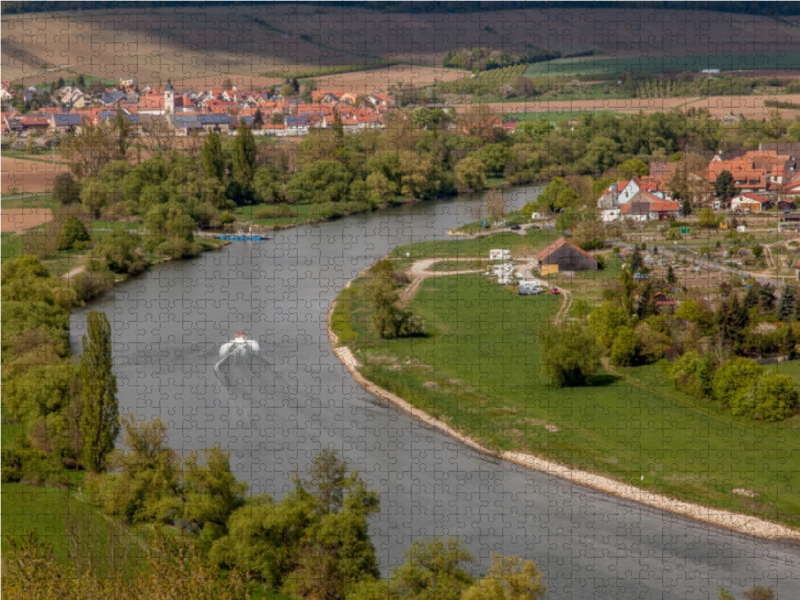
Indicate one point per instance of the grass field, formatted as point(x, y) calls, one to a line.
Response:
point(479, 371)
point(520, 245)
point(302, 214)
point(657, 63)
point(52, 510)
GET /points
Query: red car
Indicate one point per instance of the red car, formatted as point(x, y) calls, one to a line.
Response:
point(554, 290)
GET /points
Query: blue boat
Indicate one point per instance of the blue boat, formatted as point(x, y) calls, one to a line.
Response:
point(242, 237)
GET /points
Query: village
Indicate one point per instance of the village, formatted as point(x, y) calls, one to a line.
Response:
point(186, 111)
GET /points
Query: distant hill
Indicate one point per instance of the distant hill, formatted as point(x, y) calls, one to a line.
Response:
point(151, 42)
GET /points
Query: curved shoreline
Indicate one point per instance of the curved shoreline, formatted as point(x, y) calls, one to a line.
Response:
point(745, 524)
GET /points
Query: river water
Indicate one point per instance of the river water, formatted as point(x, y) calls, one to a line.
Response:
point(274, 414)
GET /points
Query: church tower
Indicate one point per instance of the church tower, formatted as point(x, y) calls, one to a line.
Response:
point(169, 98)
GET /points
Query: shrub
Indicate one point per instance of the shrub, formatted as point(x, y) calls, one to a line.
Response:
point(773, 398)
point(734, 377)
point(73, 232)
point(625, 349)
point(693, 374)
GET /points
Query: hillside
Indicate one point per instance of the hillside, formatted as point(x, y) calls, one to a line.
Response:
point(195, 43)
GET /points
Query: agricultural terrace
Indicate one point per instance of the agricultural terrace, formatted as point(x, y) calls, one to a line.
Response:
point(478, 369)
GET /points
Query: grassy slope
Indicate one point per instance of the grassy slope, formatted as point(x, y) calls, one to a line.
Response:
point(479, 371)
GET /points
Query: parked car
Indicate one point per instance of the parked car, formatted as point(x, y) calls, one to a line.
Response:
point(638, 275)
point(555, 290)
point(515, 228)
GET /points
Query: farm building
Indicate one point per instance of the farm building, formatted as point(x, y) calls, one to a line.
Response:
point(563, 255)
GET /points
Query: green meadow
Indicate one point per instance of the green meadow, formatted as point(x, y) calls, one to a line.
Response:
point(593, 65)
point(479, 371)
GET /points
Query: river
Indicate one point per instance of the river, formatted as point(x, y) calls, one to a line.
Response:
point(272, 415)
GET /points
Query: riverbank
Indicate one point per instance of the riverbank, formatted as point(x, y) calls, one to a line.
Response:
point(719, 517)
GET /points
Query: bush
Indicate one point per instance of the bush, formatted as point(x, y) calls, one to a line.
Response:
point(569, 354)
point(625, 349)
point(735, 377)
point(73, 232)
point(693, 374)
point(773, 398)
point(90, 284)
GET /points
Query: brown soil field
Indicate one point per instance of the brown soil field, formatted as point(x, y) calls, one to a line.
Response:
point(214, 42)
point(28, 175)
point(752, 107)
point(19, 219)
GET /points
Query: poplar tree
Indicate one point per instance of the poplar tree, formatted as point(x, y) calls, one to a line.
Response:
point(244, 157)
point(213, 161)
point(99, 422)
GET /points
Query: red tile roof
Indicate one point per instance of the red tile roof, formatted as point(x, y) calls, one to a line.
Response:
point(543, 254)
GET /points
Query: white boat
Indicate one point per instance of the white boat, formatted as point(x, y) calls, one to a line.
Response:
point(239, 347)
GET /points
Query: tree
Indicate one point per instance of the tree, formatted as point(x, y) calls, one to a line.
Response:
point(213, 159)
point(495, 204)
point(211, 494)
point(287, 90)
point(707, 219)
point(789, 342)
point(124, 128)
point(625, 349)
point(147, 486)
point(773, 398)
point(99, 423)
point(258, 119)
point(766, 297)
point(628, 287)
point(693, 373)
point(471, 174)
point(637, 262)
point(733, 377)
point(66, 190)
point(244, 157)
point(725, 595)
point(671, 279)
point(605, 321)
point(632, 168)
point(91, 149)
point(94, 196)
point(686, 207)
point(646, 306)
point(321, 181)
point(73, 231)
point(433, 571)
point(338, 127)
point(509, 578)
point(568, 354)
point(277, 118)
point(724, 187)
point(327, 480)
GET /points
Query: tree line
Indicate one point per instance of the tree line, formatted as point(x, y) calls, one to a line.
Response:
point(711, 351)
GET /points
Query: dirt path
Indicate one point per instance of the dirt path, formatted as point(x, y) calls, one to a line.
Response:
point(74, 272)
point(420, 271)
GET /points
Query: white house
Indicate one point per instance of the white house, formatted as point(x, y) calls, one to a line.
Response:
point(749, 202)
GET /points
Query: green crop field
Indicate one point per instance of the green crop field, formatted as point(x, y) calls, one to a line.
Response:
point(479, 371)
point(660, 64)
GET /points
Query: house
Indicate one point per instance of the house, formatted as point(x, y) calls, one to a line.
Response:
point(185, 124)
point(752, 171)
point(214, 122)
point(664, 210)
point(152, 123)
point(296, 126)
point(5, 91)
point(35, 123)
point(749, 202)
point(784, 205)
point(563, 255)
point(65, 122)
